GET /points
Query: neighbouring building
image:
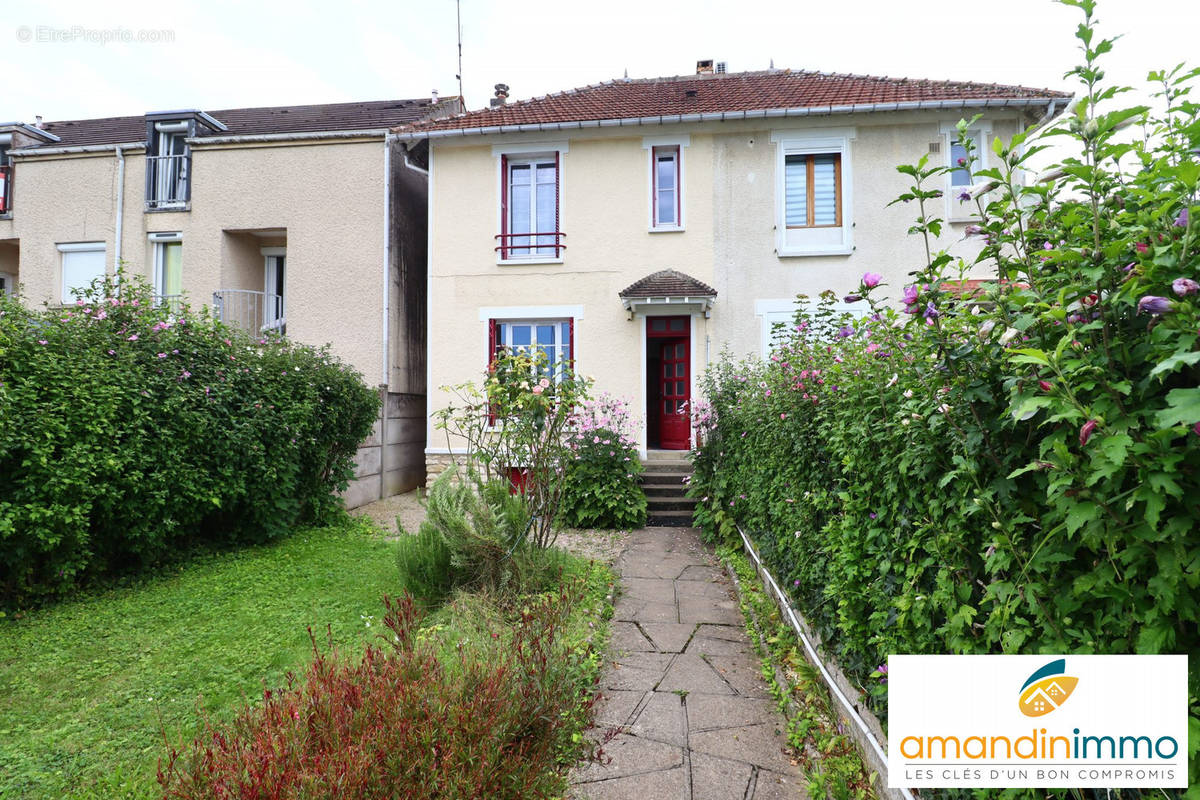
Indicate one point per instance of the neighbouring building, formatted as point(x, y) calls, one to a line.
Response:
point(639, 227)
point(305, 220)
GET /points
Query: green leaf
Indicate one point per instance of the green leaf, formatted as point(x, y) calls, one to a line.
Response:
point(1080, 514)
point(1029, 355)
point(1172, 363)
point(1183, 408)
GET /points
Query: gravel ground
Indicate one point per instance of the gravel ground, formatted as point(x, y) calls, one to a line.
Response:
point(600, 545)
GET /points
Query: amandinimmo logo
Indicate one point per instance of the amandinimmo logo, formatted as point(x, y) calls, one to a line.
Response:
point(1121, 733)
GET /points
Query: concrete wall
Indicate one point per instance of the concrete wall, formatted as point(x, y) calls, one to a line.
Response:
point(391, 459)
point(729, 197)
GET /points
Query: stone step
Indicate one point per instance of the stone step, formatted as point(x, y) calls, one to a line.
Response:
point(665, 479)
point(659, 467)
point(665, 491)
point(656, 504)
point(669, 519)
point(666, 455)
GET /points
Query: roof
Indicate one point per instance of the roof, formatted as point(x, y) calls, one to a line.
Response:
point(668, 283)
point(255, 121)
point(722, 93)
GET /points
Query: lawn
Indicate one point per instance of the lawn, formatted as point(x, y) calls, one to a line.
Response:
point(88, 686)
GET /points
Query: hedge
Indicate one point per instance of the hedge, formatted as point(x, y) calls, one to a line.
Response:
point(1013, 469)
point(127, 430)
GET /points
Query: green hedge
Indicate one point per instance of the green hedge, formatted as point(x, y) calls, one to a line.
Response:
point(126, 431)
point(1015, 471)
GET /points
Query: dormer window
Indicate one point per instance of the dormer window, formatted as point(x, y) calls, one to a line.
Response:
point(168, 166)
point(169, 157)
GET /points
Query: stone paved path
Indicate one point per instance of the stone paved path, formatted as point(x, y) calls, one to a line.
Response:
point(684, 713)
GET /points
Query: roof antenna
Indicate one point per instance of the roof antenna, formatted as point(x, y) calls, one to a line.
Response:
point(627, 73)
point(458, 17)
point(772, 64)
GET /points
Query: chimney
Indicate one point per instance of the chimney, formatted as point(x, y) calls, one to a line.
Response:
point(704, 67)
point(433, 97)
point(38, 123)
point(501, 95)
point(720, 67)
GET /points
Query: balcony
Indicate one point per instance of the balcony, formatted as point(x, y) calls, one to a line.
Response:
point(167, 181)
point(254, 312)
point(6, 175)
point(530, 246)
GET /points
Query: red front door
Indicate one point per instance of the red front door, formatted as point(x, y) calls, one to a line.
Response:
point(671, 393)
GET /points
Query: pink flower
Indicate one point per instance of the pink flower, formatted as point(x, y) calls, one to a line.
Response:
point(1045, 386)
point(871, 280)
point(1142, 247)
point(42, 341)
point(132, 338)
point(538, 390)
point(1184, 286)
point(1086, 431)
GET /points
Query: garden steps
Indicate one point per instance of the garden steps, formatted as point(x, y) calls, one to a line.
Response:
point(665, 482)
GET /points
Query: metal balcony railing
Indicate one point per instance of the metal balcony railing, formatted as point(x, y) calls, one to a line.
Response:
point(167, 181)
point(6, 177)
point(516, 246)
point(256, 312)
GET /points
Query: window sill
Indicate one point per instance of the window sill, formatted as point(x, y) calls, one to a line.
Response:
point(6, 215)
point(517, 262)
point(667, 229)
point(805, 252)
point(168, 209)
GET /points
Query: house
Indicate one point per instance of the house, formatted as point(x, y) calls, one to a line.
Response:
point(305, 220)
point(639, 227)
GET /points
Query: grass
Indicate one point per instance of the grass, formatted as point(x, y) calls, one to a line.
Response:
point(88, 686)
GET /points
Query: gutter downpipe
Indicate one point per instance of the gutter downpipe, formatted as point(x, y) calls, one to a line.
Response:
point(120, 207)
point(387, 253)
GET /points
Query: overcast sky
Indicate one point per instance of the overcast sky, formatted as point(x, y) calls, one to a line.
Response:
point(232, 53)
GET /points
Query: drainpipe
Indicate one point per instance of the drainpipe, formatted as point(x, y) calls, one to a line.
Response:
point(120, 206)
point(387, 252)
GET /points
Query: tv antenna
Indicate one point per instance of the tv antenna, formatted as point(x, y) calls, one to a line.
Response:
point(458, 16)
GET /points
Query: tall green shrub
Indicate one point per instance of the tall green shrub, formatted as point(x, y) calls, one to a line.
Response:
point(1012, 470)
point(126, 430)
point(602, 489)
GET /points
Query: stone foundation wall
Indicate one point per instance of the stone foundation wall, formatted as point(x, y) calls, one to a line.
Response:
point(436, 464)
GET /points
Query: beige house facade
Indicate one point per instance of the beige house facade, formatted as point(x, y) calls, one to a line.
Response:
point(303, 220)
point(641, 227)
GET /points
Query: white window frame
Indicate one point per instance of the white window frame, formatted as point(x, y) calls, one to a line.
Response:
point(981, 132)
point(77, 247)
point(8, 283)
point(528, 152)
point(816, 241)
point(783, 310)
point(159, 241)
point(679, 143)
point(271, 264)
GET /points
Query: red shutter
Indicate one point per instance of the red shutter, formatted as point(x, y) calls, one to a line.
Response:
point(491, 358)
point(571, 344)
point(557, 204)
point(503, 215)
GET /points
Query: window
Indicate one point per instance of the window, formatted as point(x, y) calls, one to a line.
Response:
point(666, 188)
point(168, 269)
point(274, 303)
point(168, 164)
point(813, 201)
point(813, 190)
point(777, 319)
point(5, 180)
point(554, 338)
point(529, 200)
point(8, 284)
point(961, 177)
point(82, 263)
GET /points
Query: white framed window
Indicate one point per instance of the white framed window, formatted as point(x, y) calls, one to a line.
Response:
point(168, 164)
point(168, 268)
point(960, 178)
point(666, 183)
point(530, 203)
point(814, 208)
point(554, 338)
point(777, 319)
point(274, 283)
point(82, 263)
point(8, 283)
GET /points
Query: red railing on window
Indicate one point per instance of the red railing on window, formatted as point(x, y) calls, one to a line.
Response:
point(5, 188)
point(516, 246)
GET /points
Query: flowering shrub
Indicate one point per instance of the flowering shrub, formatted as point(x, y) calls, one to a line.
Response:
point(1011, 470)
point(602, 489)
point(515, 427)
point(492, 720)
point(125, 431)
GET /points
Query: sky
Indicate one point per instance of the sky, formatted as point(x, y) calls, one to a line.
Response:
point(74, 59)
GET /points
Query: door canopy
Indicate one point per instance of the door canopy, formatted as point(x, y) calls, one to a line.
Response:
point(667, 290)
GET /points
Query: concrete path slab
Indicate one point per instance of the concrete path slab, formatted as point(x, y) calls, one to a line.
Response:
point(684, 713)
